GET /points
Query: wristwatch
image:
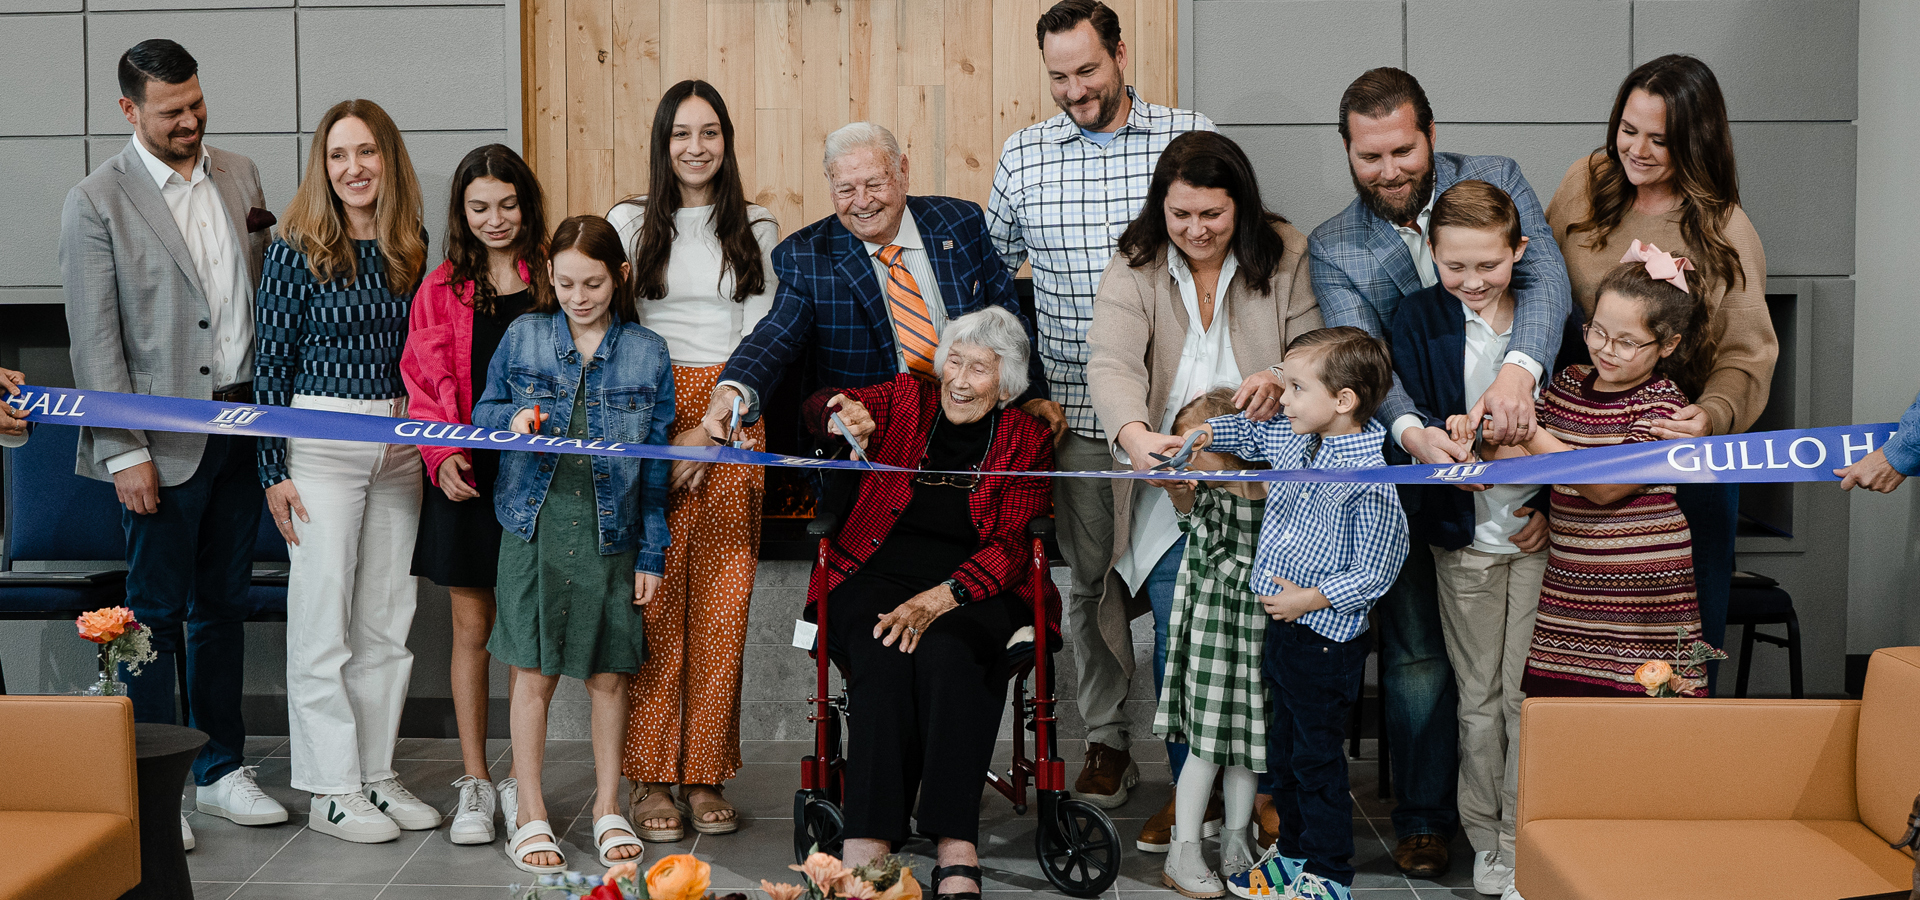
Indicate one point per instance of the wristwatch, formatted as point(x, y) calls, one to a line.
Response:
point(959, 590)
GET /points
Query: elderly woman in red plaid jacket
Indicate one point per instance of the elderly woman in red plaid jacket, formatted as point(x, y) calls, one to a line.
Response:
point(928, 582)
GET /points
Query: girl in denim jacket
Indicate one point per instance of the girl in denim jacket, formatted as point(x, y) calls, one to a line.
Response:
point(579, 530)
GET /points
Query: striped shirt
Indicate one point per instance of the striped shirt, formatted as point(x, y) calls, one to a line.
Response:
point(1348, 540)
point(341, 339)
point(1062, 201)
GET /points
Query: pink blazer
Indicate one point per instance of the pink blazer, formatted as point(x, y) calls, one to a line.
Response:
point(437, 363)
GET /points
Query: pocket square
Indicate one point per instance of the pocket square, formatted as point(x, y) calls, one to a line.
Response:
point(259, 220)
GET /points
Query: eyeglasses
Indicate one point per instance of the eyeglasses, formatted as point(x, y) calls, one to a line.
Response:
point(1598, 339)
point(939, 479)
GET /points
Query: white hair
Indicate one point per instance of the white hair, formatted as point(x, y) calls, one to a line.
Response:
point(995, 329)
point(861, 136)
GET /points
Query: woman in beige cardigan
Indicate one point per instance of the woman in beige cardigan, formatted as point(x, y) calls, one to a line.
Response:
point(1208, 288)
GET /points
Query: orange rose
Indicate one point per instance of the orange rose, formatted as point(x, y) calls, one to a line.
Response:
point(904, 889)
point(1652, 674)
point(781, 891)
point(103, 626)
point(823, 870)
point(679, 877)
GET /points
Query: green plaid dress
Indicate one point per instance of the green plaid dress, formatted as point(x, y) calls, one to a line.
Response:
point(1212, 695)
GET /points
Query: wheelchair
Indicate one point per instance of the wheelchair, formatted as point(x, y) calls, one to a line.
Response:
point(1075, 842)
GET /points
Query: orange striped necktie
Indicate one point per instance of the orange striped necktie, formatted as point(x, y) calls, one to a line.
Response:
point(912, 327)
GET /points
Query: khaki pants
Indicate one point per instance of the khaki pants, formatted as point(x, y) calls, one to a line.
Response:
point(1487, 606)
point(1083, 513)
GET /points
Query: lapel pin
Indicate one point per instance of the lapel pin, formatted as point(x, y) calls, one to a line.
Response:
point(946, 245)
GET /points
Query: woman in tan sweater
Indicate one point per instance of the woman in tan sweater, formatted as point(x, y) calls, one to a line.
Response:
point(1208, 288)
point(1666, 177)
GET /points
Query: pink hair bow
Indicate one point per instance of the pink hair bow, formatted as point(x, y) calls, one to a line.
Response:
point(1661, 265)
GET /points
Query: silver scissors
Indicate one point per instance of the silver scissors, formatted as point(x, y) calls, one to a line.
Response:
point(846, 434)
point(1180, 459)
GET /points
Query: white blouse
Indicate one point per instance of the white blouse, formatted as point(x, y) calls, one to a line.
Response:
point(698, 317)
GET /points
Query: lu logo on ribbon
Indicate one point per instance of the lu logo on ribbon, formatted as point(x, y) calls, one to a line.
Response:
point(1773, 456)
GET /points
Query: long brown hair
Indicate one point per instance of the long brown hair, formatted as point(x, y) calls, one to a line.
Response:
point(1699, 142)
point(466, 254)
point(1669, 311)
point(1205, 159)
point(739, 249)
point(598, 240)
point(316, 222)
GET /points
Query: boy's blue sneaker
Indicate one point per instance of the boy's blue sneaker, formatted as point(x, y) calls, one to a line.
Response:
point(1313, 887)
point(1269, 878)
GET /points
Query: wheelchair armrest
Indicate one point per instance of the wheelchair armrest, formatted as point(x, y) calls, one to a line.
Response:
point(822, 526)
point(1040, 527)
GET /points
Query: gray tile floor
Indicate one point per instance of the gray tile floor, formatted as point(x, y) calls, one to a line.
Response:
point(292, 863)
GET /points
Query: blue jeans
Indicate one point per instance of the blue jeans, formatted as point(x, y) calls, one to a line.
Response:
point(189, 566)
point(1423, 724)
point(1713, 512)
point(1159, 590)
point(1314, 682)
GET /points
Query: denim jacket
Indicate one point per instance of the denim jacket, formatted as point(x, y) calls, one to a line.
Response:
point(629, 399)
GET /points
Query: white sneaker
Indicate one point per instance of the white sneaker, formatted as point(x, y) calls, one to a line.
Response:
point(510, 803)
point(186, 833)
point(1491, 875)
point(237, 797)
point(1511, 893)
point(473, 812)
point(401, 805)
point(351, 817)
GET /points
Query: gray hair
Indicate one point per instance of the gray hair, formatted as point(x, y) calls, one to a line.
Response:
point(861, 136)
point(995, 329)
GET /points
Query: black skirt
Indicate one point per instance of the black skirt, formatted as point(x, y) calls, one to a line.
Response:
point(459, 543)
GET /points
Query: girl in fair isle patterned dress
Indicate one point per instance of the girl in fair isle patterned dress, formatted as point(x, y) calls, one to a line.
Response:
point(1619, 577)
point(1213, 698)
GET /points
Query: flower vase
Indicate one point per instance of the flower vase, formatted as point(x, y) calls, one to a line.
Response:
point(108, 684)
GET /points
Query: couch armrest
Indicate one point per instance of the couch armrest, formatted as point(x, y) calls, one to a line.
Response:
point(80, 758)
point(1646, 759)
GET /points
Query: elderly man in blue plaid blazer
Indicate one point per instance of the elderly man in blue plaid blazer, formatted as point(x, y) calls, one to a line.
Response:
point(838, 276)
point(1364, 260)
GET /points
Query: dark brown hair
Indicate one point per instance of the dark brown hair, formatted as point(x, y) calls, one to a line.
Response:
point(653, 247)
point(156, 59)
point(1349, 359)
point(596, 239)
point(1669, 311)
point(1207, 159)
point(1700, 145)
point(466, 255)
point(1378, 92)
point(1068, 14)
point(1475, 204)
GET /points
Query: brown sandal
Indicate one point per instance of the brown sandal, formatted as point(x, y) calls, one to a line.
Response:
point(698, 809)
point(654, 801)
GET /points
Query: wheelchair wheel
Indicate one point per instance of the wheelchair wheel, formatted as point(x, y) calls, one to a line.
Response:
point(817, 825)
point(1078, 847)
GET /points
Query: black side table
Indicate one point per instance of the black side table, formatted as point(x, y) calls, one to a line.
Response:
point(164, 754)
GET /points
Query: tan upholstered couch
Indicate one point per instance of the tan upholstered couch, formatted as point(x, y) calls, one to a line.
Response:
point(69, 814)
point(1747, 799)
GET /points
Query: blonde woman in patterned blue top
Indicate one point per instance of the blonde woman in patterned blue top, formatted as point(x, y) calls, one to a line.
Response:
point(331, 320)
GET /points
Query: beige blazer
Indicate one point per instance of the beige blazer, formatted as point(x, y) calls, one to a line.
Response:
point(1139, 328)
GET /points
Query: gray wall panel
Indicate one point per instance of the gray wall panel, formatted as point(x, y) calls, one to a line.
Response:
point(1302, 169)
point(1543, 151)
point(157, 5)
point(39, 172)
point(43, 84)
point(243, 58)
point(1775, 59)
point(39, 6)
point(454, 80)
point(1287, 61)
point(1797, 184)
point(1554, 60)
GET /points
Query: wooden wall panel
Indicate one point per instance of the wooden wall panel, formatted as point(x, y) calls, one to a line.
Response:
point(951, 78)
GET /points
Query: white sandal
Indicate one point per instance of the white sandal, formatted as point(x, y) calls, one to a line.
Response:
point(521, 845)
point(616, 822)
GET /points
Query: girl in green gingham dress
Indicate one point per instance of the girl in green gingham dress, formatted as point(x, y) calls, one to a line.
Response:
point(1212, 697)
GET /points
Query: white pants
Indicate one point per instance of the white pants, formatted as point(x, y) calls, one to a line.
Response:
point(350, 602)
point(1487, 607)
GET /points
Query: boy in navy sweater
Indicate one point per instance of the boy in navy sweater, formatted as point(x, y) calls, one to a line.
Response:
point(1488, 544)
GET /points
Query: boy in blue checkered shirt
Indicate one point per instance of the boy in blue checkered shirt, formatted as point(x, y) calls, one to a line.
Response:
point(1328, 551)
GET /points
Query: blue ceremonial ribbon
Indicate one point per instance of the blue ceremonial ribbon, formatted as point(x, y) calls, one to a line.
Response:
point(1809, 454)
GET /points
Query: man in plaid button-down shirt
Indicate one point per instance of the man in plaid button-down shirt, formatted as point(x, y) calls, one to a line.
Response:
point(1063, 192)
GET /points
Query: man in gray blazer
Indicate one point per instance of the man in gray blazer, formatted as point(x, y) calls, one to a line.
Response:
point(160, 251)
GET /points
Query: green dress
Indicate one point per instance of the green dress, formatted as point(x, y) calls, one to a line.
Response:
point(1212, 696)
point(562, 607)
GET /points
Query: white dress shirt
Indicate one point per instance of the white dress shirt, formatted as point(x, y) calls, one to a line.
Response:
point(204, 227)
point(1494, 522)
point(1206, 362)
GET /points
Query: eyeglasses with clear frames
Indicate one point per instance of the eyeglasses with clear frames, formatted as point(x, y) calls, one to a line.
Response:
point(1598, 339)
